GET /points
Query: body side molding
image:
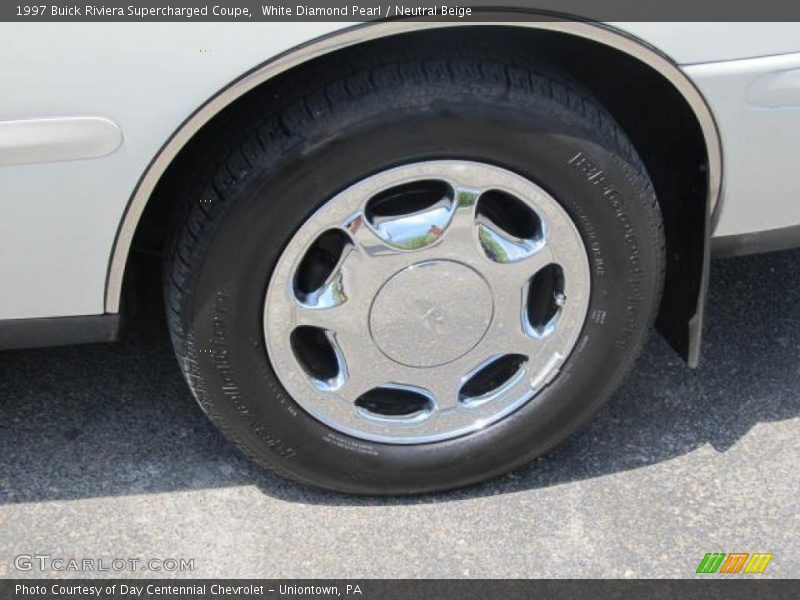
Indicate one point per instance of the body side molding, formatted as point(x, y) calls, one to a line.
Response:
point(772, 240)
point(58, 331)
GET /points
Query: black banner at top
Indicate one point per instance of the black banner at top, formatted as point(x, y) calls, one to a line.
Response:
point(372, 10)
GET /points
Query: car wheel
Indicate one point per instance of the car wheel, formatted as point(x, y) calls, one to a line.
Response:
point(416, 275)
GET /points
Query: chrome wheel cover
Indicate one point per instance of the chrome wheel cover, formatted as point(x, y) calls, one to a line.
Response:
point(425, 308)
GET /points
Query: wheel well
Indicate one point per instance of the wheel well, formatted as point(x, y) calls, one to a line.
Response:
point(653, 113)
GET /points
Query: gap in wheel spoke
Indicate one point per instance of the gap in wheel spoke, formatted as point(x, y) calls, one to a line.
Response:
point(490, 378)
point(545, 299)
point(318, 263)
point(412, 215)
point(316, 354)
point(511, 215)
point(510, 230)
point(394, 402)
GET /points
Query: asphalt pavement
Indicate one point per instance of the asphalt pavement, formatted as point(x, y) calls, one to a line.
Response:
point(104, 455)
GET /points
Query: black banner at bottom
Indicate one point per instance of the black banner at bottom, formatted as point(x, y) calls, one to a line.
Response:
point(394, 589)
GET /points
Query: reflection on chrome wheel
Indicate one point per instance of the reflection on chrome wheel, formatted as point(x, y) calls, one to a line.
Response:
point(426, 301)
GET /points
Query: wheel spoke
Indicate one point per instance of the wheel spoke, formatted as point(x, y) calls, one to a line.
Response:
point(523, 269)
point(365, 240)
point(340, 299)
point(325, 318)
point(366, 367)
point(503, 248)
point(503, 338)
point(459, 236)
point(444, 385)
point(460, 231)
point(510, 285)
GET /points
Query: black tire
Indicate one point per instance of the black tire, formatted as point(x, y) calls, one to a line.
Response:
point(283, 158)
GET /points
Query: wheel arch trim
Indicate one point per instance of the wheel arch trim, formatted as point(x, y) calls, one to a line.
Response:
point(352, 36)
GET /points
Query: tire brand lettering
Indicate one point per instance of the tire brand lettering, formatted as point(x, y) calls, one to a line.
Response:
point(613, 198)
point(230, 389)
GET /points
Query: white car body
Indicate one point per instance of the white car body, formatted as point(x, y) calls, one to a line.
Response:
point(87, 109)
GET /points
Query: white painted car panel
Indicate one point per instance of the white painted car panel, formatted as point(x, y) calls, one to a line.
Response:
point(689, 43)
point(756, 104)
point(58, 220)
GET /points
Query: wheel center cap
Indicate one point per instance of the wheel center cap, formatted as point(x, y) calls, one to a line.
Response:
point(431, 313)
